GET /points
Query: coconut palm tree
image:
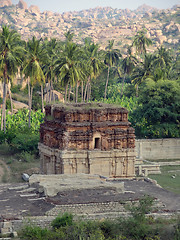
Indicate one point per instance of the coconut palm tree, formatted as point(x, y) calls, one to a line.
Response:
point(69, 36)
point(52, 52)
point(112, 57)
point(163, 58)
point(128, 64)
point(140, 42)
point(68, 68)
point(93, 64)
point(11, 53)
point(142, 71)
point(33, 67)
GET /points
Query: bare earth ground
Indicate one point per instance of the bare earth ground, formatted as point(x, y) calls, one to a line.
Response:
point(17, 201)
point(4, 170)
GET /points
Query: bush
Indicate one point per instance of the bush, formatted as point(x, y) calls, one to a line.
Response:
point(7, 137)
point(158, 113)
point(109, 228)
point(15, 88)
point(27, 142)
point(137, 226)
point(61, 221)
point(33, 233)
point(177, 230)
point(25, 156)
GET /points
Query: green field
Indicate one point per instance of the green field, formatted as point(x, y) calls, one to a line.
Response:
point(169, 178)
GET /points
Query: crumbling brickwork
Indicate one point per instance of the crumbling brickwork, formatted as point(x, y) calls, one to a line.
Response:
point(87, 138)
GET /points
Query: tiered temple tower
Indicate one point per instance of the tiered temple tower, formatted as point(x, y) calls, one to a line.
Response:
point(87, 138)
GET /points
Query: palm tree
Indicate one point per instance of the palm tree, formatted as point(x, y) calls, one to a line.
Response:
point(112, 57)
point(11, 53)
point(93, 64)
point(163, 58)
point(141, 42)
point(52, 52)
point(33, 67)
point(69, 35)
point(142, 71)
point(128, 64)
point(68, 67)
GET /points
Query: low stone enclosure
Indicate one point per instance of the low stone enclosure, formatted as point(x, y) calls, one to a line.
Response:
point(87, 138)
point(156, 149)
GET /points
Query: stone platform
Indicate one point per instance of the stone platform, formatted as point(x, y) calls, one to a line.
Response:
point(51, 185)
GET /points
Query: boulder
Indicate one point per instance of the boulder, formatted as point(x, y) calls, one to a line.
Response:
point(19, 105)
point(22, 4)
point(5, 3)
point(56, 96)
point(34, 9)
point(25, 177)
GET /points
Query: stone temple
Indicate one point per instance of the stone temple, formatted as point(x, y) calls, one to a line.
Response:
point(87, 138)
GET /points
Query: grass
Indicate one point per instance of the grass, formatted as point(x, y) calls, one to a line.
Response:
point(166, 179)
point(20, 97)
point(4, 177)
point(19, 167)
point(164, 160)
point(17, 164)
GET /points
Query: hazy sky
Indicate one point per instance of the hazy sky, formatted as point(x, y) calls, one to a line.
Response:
point(76, 5)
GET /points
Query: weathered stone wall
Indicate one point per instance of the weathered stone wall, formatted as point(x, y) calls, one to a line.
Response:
point(83, 127)
point(114, 163)
point(154, 149)
point(87, 138)
point(92, 211)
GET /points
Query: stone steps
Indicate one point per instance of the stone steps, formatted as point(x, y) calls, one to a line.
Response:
point(27, 190)
point(29, 195)
point(36, 199)
point(21, 187)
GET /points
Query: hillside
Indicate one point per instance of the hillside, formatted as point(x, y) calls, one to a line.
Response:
point(100, 24)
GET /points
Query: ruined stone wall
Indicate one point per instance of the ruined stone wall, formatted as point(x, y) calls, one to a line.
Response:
point(91, 211)
point(154, 149)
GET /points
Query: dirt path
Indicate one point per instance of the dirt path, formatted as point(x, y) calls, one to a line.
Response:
point(4, 172)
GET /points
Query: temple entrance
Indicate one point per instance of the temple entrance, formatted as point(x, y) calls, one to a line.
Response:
point(97, 143)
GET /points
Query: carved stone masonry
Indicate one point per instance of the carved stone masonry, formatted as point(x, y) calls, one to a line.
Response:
point(87, 138)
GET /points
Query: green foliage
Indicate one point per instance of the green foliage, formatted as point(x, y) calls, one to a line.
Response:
point(15, 88)
point(177, 230)
point(114, 97)
point(62, 221)
point(139, 211)
point(33, 233)
point(17, 131)
point(8, 104)
point(110, 229)
point(136, 226)
point(131, 228)
point(19, 122)
point(22, 143)
point(158, 113)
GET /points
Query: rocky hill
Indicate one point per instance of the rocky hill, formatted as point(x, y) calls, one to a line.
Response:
point(100, 24)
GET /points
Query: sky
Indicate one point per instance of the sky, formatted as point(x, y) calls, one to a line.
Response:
point(61, 6)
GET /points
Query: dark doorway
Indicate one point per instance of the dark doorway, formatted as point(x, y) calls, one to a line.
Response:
point(97, 143)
